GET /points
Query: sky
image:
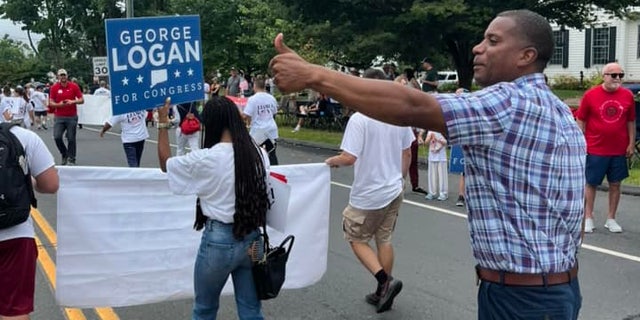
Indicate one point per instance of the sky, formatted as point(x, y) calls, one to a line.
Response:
point(14, 32)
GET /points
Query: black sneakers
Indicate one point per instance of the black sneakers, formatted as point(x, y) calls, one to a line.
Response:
point(460, 201)
point(389, 292)
point(419, 190)
point(372, 299)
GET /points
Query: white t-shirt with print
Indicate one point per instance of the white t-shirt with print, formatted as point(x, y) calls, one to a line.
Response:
point(39, 159)
point(134, 127)
point(17, 106)
point(102, 92)
point(210, 174)
point(378, 147)
point(262, 107)
point(39, 101)
point(437, 150)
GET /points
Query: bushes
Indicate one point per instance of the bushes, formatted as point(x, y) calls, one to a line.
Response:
point(567, 82)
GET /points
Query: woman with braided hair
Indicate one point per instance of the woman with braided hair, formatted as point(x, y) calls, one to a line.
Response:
point(229, 176)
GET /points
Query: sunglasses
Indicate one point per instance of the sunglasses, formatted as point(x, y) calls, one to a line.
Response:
point(615, 75)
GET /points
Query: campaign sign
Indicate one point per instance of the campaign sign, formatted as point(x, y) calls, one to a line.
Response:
point(456, 163)
point(152, 58)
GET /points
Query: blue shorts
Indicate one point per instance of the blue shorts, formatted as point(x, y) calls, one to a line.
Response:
point(614, 167)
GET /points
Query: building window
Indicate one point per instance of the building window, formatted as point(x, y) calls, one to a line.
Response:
point(560, 54)
point(600, 47)
point(556, 58)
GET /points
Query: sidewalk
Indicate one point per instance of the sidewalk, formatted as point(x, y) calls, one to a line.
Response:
point(626, 189)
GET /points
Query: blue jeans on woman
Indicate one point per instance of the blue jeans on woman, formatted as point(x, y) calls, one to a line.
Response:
point(221, 254)
point(133, 151)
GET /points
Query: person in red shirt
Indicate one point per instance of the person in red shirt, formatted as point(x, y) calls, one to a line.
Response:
point(607, 118)
point(63, 98)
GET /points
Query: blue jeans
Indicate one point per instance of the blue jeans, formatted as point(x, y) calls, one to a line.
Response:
point(133, 151)
point(220, 254)
point(500, 302)
point(61, 125)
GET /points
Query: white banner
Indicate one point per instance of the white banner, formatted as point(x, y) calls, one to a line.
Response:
point(95, 110)
point(124, 239)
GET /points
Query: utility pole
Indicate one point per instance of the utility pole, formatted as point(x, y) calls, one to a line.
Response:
point(129, 8)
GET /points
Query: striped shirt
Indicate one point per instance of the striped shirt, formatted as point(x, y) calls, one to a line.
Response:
point(524, 174)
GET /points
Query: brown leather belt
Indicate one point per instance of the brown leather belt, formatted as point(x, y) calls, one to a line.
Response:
point(526, 279)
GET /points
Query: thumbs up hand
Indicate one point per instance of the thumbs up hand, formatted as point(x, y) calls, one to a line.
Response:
point(290, 72)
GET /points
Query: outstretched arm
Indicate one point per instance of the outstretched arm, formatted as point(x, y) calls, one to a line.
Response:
point(164, 150)
point(379, 99)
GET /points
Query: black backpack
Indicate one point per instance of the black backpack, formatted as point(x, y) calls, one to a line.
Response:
point(16, 190)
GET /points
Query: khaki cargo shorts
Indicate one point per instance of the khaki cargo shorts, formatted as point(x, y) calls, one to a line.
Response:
point(361, 225)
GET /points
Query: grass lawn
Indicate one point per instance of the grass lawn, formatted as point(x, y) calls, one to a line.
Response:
point(334, 139)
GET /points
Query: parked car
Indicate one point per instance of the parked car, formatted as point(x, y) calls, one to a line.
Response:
point(633, 86)
point(447, 78)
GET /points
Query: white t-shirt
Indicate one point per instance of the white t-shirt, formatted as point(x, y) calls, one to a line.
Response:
point(134, 127)
point(102, 92)
point(39, 101)
point(262, 107)
point(39, 159)
point(210, 174)
point(378, 148)
point(437, 150)
point(207, 88)
point(16, 105)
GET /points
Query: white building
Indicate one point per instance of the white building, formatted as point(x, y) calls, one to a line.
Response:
point(608, 39)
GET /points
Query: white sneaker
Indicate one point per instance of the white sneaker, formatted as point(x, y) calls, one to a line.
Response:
point(430, 196)
point(588, 225)
point(443, 197)
point(613, 226)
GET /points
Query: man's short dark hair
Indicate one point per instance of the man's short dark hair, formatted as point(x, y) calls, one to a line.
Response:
point(259, 81)
point(372, 73)
point(534, 29)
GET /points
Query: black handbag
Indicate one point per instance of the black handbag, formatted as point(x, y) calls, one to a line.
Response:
point(269, 272)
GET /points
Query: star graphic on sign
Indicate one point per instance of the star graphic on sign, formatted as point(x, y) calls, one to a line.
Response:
point(140, 78)
point(190, 72)
point(125, 81)
point(176, 74)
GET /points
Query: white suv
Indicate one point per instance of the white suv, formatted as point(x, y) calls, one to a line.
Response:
point(447, 77)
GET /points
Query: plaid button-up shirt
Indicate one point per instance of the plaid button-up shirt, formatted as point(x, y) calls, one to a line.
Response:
point(524, 174)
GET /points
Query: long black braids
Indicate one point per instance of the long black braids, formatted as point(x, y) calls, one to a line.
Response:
point(252, 201)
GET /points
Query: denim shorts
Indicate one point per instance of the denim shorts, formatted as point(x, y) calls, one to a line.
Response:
point(614, 167)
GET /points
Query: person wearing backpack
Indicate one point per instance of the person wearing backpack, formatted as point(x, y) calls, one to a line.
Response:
point(25, 164)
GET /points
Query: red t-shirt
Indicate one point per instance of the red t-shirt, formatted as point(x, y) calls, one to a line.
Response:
point(606, 115)
point(58, 93)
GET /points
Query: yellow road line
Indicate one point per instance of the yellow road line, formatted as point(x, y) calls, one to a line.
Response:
point(103, 313)
point(44, 226)
point(107, 314)
point(50, 272)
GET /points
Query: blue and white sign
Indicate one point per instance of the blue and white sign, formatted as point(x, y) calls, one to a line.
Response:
point(456, 163)
point(153, 58)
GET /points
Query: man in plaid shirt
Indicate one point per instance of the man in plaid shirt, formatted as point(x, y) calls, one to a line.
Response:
point(524, 161)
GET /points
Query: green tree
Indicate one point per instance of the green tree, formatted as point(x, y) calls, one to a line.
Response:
point(359, 30)
point(17, 62)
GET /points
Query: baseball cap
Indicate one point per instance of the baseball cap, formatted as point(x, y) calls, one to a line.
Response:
point(426, 60)
point(62, 71)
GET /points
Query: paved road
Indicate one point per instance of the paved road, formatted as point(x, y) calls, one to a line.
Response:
point(433, 257)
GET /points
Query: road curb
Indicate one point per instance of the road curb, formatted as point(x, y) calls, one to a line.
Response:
point(625, 189)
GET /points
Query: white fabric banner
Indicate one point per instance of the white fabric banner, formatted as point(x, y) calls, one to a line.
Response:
point(95, 110)
point(124, 239)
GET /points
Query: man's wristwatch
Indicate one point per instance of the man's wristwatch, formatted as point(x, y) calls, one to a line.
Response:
point(164, 125)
